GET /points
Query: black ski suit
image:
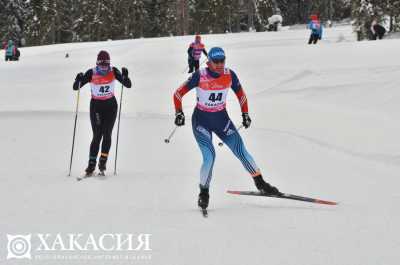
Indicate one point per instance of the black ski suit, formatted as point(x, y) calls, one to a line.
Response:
point(102, 114)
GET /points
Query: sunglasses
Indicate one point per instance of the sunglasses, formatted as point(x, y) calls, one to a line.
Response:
point(104, 67)
point(217, 61)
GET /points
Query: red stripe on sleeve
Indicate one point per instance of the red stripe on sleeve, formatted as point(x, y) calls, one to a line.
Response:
point(242, 100)
point(178, 95)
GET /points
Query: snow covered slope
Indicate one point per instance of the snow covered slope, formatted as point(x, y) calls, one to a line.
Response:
point(325, 124)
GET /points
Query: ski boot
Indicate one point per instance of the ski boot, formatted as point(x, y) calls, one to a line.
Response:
point(265, 187)
point(102, 163)
point(204, 197)
point(91, 167)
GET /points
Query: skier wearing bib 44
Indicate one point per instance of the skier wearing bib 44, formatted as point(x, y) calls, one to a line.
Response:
point(210, 116)
point(103, 105)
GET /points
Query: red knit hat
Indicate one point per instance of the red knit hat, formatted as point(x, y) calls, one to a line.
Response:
point(103, 58)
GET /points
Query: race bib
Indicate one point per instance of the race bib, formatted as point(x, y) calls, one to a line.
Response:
point(211, 100)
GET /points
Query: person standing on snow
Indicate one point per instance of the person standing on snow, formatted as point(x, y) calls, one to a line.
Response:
point(194, 53)
point(377, 30)
point(210, 116)
point(10, 51)
point(103, 105)
point(316, 29)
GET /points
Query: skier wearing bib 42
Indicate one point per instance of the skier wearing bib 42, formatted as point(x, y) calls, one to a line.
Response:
point(210, 116)
point(103, 105)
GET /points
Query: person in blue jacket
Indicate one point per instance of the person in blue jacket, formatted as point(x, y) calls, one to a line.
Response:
point(316, 29)
point(10, 51)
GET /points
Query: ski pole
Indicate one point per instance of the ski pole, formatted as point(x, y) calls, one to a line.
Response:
point(119, 119)
point(221, 143)
point(166, 140)
point(73, 137)
point(205, 59)
point(187, 67)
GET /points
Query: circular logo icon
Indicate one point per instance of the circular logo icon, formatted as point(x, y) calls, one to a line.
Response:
point(19, 246)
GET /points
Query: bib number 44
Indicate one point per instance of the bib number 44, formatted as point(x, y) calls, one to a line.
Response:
point(215, 97)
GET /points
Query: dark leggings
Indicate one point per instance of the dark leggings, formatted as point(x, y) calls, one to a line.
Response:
point(102, 117)
point(313, 39)
point(193, 65)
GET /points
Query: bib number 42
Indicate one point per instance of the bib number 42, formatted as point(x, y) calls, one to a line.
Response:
point(104, 89)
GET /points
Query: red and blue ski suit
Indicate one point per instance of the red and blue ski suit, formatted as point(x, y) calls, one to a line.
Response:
point(210, 116)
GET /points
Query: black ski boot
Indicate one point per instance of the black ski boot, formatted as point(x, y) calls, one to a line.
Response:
point(265, 187)
point(102, 163)
point(204, 197)
point(91, 167)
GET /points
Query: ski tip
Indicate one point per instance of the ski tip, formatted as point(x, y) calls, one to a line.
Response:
point(233, 192)
point(326, 202)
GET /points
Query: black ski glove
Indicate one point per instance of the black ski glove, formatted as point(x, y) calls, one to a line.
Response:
point(78, 80)
point(79, 77)
point(246, 120)
point(179, 118)
point(124, 72)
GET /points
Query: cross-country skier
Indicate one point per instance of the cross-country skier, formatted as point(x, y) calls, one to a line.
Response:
point(194, 53)
point(316, 29)
point(103, 105)
point(210, 116)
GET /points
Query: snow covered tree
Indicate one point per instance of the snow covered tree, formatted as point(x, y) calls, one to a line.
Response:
point(14, 16)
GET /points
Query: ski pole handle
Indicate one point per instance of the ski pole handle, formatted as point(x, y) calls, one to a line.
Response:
point(166, 140)
point(221, 143)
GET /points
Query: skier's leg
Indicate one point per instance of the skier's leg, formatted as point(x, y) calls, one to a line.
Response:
point(204, 140)
point(310, 39)
point(196, 65)
point(191, 66)
point(95, 121)
point(108, 118)
point(230, 136)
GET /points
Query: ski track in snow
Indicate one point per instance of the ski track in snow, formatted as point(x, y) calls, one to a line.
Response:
point(390, 159)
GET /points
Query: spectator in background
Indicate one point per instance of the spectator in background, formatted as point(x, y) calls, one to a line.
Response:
point(377, 30)
point(11, 52)
point(316, 29)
